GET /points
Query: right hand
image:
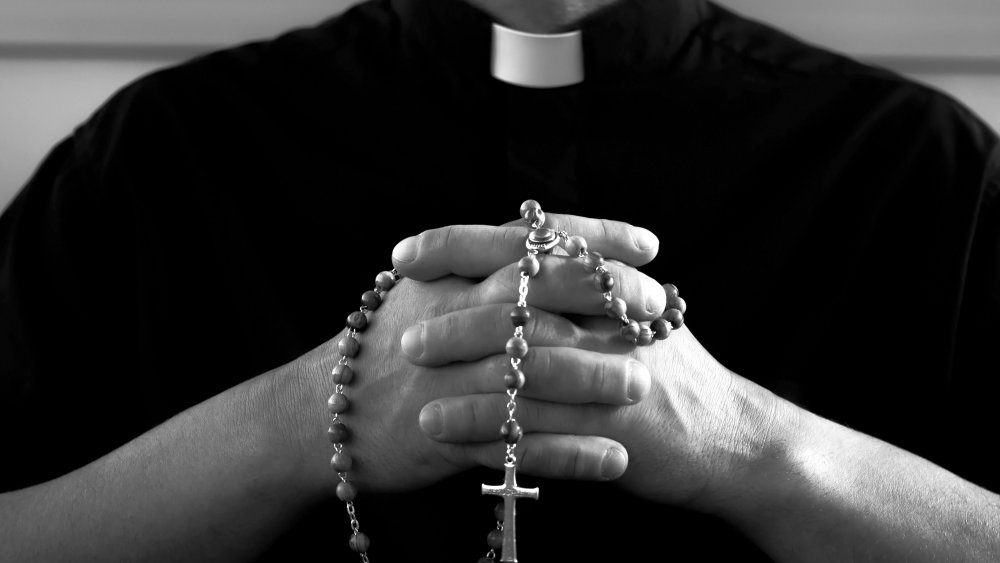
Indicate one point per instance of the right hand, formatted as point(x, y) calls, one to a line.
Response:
point(386, 396)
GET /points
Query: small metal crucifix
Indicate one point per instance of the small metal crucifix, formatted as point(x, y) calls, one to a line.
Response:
point(510, 493)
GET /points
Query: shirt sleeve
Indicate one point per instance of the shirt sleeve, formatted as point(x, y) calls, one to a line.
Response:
point(68, 316)
point(976, 376)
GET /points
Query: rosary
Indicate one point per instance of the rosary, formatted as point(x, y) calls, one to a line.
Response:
point(540, 241)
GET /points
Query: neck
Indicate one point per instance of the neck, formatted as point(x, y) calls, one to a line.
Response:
point(541, 16)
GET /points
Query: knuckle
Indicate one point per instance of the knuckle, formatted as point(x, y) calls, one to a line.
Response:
point(499, 287)
point(450, 325)
point(631, 286)
point(433, 239)
point(603, 378)
point(445, 237)
point(502, 320)
point(606, 230)
point(476, 415)
point(531, 411)
point(540, 363)
point(498, 239)
point(459, 301)
point(497, 363)
point(573, 463)
point(532, 328)
point(511, 237)
point(576, 226)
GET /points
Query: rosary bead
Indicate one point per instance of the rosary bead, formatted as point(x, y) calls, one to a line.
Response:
point(604, 282)
point(517, 347)
point(630, 331)
point(348, 347)
point(514, 379)
point(675, 318)
point(529, 265)
point(616, 308)
point(520, 316)
point(341, 462)
point(346, 491)
point(360, 542)
point(385, 281)
point(645, 336)
point(594, 260)
point(511, 432)
point(371, 300)
point(529, 204)
point(358, 321)
point(343, 375)
point(661, 329)
point(535, 217)
point(498, 511)
point(679, 304)
point(338, 403)
point(671, 291)
point(576, 245)
point(495, 539)
point(337, 433)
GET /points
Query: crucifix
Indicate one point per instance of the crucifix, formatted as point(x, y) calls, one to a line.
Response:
point(510, 493)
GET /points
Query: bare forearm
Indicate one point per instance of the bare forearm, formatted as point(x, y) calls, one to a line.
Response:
point(211, 483)
point(842, 495)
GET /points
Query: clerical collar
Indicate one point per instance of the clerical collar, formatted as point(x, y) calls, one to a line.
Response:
point(536, 60)
point(628, 37)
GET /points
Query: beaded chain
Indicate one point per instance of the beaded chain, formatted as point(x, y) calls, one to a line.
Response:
point(343, 375)
point(540, 241)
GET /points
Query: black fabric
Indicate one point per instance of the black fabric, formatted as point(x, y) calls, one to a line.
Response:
point(833, 226)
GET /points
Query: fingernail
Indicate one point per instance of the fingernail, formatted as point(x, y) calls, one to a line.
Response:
point(614, 464)
point(405, 251)
point(656, 301)
point(644, 239)
point(432, 420)
point(637, 378)
point(413, 341)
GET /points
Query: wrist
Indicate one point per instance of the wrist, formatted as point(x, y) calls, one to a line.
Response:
point(284, 424)
point(762, 464)
point(778, 486)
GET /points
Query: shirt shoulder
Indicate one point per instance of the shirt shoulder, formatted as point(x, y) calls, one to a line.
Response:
point(759, 51)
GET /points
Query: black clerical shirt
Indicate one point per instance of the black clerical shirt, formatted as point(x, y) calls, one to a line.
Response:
point(833, 226)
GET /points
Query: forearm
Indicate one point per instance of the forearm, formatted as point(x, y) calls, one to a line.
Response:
point(213, 483)
point(841, 495)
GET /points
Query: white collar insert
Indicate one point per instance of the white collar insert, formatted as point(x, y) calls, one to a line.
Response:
point(537, 60)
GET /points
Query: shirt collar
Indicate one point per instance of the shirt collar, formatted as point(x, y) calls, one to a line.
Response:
point(627, 37)
point(536, 60)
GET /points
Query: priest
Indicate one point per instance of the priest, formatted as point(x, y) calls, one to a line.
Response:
point(175, 278)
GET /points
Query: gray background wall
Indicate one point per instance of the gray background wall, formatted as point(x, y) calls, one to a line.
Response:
point(59, 59)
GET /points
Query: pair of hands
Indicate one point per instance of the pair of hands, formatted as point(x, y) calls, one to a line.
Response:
point(666, 421)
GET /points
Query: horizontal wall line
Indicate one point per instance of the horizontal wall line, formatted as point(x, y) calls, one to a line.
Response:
point(96, 51)
point(122, 52)
point(936, 65)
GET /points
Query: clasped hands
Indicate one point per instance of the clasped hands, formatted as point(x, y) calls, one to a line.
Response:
point(666, 421)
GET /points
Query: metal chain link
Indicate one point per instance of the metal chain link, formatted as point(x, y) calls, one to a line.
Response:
point(522, 291)
point(339, 447)
point(522, 301)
